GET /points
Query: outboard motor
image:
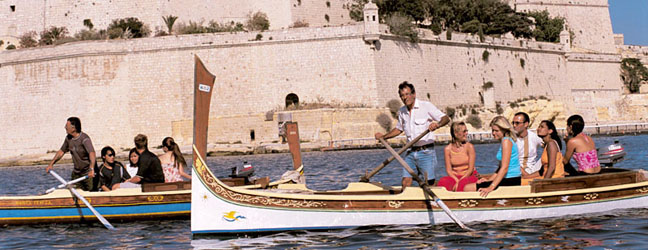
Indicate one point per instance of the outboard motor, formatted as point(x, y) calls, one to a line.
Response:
point(611, 154)
point(245, 171)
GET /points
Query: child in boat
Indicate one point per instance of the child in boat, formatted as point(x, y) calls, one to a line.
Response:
point(133, 157)
point(508, 173)
point(581, 147)
point(552, 159)
point(459, 160)
point(172, 161)
point(111, 172)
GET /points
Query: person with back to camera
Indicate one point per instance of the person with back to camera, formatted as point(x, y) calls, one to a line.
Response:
point(111, 172)
point(527, 143)
point(581, 147)
point(414, 118)
point(172, 161)
point(552, 158)
point(459, 160)
point(508, 173)
point(149, 167)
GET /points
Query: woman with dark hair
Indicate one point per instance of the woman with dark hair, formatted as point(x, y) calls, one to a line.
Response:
point(459, 160)
point(173, 162)
point(508, 173)
point(133, 158)
point(552, 159)
point(111, 172)
point(581, 147)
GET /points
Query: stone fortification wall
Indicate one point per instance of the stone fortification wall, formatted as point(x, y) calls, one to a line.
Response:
point(634, 51)
point(588, 20)
point(21, 16)
point(314, 12)
point(452, 72)
point(121, 88)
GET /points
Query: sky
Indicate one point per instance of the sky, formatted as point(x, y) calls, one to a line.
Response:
point(630, 18)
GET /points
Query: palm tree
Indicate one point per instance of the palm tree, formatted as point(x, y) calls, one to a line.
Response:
point(169, 21)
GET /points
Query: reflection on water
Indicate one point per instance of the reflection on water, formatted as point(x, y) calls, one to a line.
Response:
point(333, 170)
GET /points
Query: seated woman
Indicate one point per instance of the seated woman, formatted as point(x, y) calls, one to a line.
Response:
point(111, 172)
point(133, 157)
point(172, 161)
point(581, 147)
point(508, 173)
point(552, 160)
point(459, 160)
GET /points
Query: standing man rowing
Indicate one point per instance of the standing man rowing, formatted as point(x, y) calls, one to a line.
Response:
point(414, 118)
point(83, 154)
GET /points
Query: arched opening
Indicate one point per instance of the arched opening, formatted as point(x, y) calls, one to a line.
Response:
point(292, 100)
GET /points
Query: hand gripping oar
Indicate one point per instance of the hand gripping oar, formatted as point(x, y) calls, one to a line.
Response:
point(424, 186)
point(65, 184)
point(367, 176)
point(73, 191)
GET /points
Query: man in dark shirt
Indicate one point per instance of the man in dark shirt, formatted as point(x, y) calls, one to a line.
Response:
point(150, 169)
point(83, 154)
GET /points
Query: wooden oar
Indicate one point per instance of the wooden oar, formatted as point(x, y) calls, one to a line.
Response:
point(65, 184)
point(78, 195)
point(373, 172)
point(424, 186)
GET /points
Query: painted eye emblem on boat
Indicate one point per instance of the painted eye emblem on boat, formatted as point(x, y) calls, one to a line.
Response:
point(232, 216)
point(204, 88)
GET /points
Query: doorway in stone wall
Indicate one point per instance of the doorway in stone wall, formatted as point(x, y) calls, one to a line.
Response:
point(292, 101)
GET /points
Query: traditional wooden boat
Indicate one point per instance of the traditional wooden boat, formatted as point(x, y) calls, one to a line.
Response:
point(218, 208)
point(151, 201)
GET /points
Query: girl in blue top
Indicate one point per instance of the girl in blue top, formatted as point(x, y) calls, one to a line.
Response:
point(508, 173)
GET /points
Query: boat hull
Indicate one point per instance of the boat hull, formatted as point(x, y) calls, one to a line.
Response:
point(118, 205)
point(219, 209)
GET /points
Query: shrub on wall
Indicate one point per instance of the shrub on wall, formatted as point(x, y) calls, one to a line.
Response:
point(385, 121)
point(485, 55)
point(633, 72)
point(394, 105)
point(450, 111)
point(547, 29)
point(28, 40)
point(475, 121)
point(402, 25)
point(91, 34)
point(130, 27)
point(258, 21)
point(10, 47)
point(299, 24)
point(51, 35)
point(169, 21)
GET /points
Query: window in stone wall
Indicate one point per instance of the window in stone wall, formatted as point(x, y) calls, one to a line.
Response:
point(292, 100)
point(252, 136)
point(13, 8)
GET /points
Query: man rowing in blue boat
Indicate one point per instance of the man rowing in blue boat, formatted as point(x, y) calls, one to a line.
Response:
point(83, 154)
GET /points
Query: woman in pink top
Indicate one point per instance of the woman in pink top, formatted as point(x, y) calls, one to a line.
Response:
point(459, 160)
point(581, 147)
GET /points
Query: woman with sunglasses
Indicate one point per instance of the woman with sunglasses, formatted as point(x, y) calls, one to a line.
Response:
point(111, 172)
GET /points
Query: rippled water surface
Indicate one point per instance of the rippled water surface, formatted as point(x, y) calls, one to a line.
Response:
point(625, 229)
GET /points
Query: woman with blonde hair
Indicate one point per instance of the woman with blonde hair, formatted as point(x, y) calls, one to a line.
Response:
point(459, 160)
point(172, 161)
point(508, 173)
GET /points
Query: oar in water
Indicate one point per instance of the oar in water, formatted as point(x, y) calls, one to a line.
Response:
point(424, 186)
point(78, 195)
point(65, 184)
point(373, 172)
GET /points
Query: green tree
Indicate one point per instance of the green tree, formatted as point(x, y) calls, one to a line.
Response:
point(169, 21)
point(51, 35)
point(259, 21)
point(28, 40)
point(402, 25)
point(130, 25)
point(547, 29)
point(633, 72)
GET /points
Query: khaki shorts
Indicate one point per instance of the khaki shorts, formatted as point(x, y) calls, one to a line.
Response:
point(85, 185)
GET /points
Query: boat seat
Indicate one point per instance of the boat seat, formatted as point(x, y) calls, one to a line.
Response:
point(170, 186)
point(606, 178)
point(363, 188)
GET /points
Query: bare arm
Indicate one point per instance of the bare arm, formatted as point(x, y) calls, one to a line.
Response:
point(471, 160)
point(182, 172)
point(507, 148)
point(394, 132)
point(93, 161)
point(59, 154)
point(448, 166)
point(569, 152)
point(552, 151)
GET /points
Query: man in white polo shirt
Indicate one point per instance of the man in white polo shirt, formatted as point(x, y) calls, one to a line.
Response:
point(414, 118)
point(527, 143)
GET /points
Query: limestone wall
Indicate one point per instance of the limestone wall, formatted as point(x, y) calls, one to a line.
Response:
point(589, 20)
point(37, 15)
point(453, 72)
